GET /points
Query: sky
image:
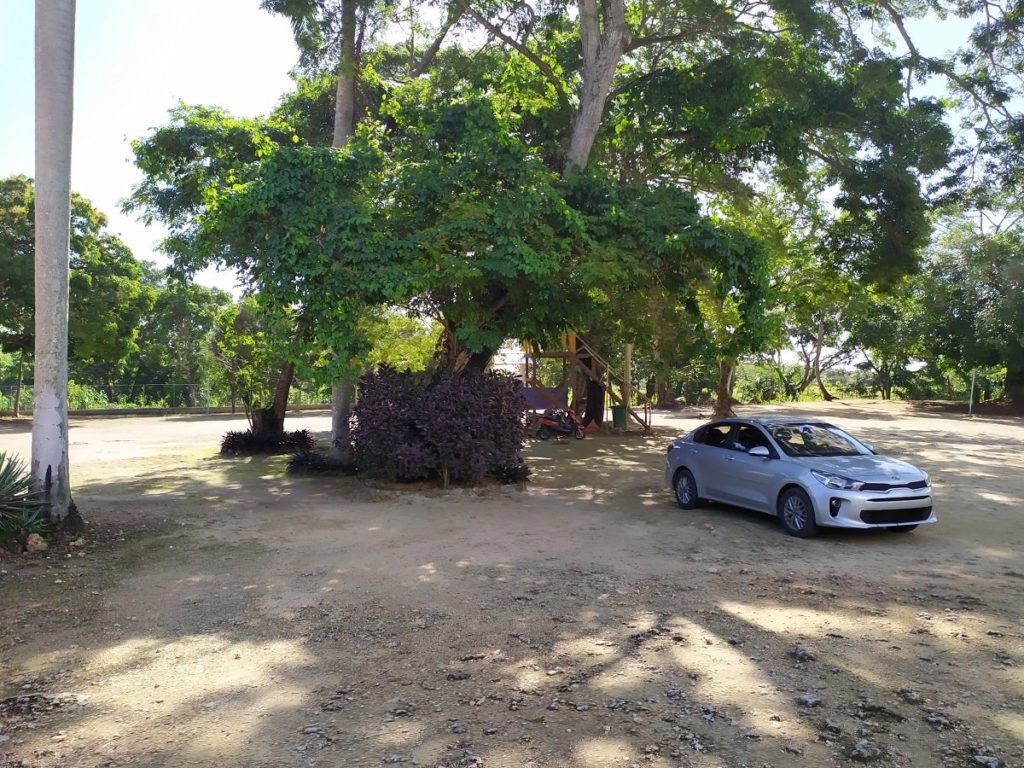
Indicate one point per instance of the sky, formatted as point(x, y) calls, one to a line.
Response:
point(135, 60)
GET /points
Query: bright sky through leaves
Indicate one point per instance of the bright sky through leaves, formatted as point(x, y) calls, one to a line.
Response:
point(134, 61)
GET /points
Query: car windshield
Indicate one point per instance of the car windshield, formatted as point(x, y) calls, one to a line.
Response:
point(815, 440)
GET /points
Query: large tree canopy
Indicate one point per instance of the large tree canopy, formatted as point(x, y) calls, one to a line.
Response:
point(595, 167)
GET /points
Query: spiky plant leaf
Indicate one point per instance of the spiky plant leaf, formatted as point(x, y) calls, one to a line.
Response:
point(21, 508)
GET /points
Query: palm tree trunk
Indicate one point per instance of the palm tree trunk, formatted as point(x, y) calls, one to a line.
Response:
point(55, 74)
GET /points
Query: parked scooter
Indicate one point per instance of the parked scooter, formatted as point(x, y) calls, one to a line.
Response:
point(556, 422)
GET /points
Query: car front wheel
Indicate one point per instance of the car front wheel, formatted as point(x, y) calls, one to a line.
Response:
point(686, 490)
point(796, 513)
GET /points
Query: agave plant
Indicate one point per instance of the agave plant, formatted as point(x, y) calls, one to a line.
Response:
point(21, 508)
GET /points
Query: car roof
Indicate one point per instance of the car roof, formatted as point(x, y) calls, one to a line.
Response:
point(774, 419)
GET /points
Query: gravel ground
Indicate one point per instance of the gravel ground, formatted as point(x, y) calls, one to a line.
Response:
point(217, 613)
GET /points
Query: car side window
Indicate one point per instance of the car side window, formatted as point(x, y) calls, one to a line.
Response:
point(748, 437)
point(716, 435)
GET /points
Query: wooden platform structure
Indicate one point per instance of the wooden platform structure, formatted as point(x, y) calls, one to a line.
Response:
point(580, 356)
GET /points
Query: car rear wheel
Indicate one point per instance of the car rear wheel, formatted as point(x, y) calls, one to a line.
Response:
point(686, 490)
point(796, 513)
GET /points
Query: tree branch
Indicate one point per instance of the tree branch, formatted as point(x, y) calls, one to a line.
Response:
point(941, 66)
point(537, 61)
point(454, 17)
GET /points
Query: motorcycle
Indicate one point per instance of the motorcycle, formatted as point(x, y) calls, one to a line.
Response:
point(555, 422)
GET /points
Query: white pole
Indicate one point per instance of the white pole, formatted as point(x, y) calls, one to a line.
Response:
point(54, 91)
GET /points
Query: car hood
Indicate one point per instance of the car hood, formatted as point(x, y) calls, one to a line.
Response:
point(868, 469)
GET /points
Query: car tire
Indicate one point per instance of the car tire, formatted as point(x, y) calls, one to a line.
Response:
point(902, 528)
point(796, 514)
point(685, 488)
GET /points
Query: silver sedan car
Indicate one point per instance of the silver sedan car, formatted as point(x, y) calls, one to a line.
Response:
point(807, 472)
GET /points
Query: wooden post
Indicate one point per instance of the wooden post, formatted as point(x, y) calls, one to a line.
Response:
point(627, 377)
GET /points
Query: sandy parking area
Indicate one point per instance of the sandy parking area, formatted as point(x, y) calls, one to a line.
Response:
point(218, 613)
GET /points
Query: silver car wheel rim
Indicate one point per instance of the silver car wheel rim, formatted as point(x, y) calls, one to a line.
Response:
point(684, 489)
point(795, 512)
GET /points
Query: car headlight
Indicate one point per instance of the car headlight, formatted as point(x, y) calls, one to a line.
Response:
point(927, 481)
point(838, 482)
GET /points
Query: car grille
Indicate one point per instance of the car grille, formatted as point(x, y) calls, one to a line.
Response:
point(887, 486)
point(895, 516)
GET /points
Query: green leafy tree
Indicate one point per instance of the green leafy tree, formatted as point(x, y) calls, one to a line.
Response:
point(244, 351)
point(973, 287)
point(173, 361)
point(400, 340)
point(588, 114)
point(17, 252)
point(887, 331)
point(108, 294)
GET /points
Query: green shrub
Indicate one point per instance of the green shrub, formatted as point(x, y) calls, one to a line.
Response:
point(21, 508)
point(82, 397)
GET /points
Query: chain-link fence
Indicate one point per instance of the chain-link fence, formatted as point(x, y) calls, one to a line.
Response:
point(138, 396)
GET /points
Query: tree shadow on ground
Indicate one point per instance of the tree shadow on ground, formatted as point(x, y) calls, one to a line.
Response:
point(514, 660)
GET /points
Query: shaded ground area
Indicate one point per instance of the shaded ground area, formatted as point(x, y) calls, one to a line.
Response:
point(219, 614)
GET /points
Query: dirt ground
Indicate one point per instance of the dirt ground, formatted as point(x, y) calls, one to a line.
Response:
point(218, 613)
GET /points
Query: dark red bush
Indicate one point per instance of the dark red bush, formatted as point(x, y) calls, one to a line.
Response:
point(462, 427)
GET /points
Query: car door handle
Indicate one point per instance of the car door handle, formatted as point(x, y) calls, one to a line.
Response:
point(693, 451)
point(730, 458)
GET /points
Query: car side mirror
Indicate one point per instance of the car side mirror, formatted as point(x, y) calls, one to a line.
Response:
point(759, 450)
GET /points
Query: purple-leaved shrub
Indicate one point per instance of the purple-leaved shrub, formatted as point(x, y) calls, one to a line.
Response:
point(461, 427)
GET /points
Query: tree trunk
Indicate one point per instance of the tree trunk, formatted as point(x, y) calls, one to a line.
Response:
point(594, 413)
point(662, 392)
point(270, 420)
point(827, 396)
point(818, 343)
point(1014, 384)
point(603, 48)
point(594, 396)
point(343, 391)
point(17, 387)
point(602, 51)
point(1014, 381)
point(726, 378)
point(54, 87)
point(345, 96)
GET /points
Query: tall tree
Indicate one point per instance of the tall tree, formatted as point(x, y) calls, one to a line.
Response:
point(107, 294)
point(326, 30)
point(55, 74)
point(973, 308)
